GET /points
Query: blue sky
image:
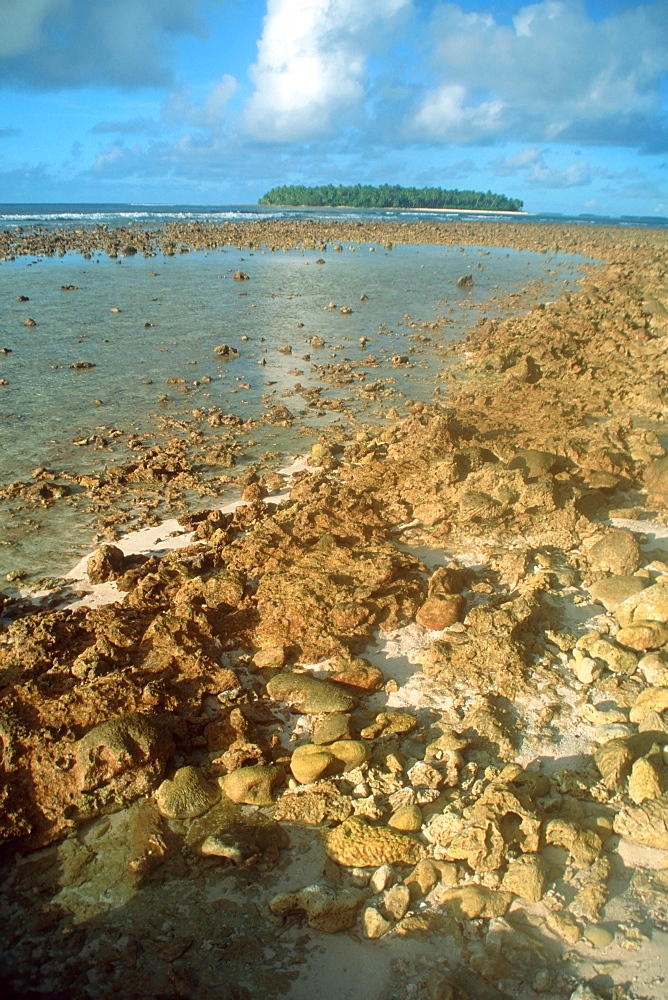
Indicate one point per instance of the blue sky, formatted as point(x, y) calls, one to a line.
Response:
point(562, 103)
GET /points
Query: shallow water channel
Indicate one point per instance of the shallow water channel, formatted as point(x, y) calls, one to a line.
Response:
point(148, 329)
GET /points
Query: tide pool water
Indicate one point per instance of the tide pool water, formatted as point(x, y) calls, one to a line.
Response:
point(142, 335)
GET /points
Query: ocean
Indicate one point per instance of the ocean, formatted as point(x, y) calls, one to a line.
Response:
point(111, 215)
point(141, 334)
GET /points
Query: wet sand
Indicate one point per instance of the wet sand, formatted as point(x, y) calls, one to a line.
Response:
point(403, 732)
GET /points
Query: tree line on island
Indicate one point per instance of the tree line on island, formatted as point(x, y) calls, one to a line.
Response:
point(387, 196)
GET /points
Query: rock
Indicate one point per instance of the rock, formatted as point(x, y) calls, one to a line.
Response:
point(225, 351)
point(382, 879)
point(614, 760)
point(586, 669)
point(654, 668)
point(651, 604)
point(322, 803)
point(389, 724)
point(375, 925)
point(647, 779)
point(333, 726)
point(106, 563)
point(396, 901)
point(360, 676)
point(408, 819)
point(309, 762)
point(584, 992)
point(564, 925)
point(611, 591)
point(526, 877)
point(653, 723)
point(468, 902)
point(656, 480)
point(616, 552)
point(423, 878)
point(240, 276)
point(620, 661)
point(654, 699)
point(305, 693)
point(186, 795)
point(326, 908)
point(269, 659)
point(254, 785)
point(358, 845)
point(643, 635)
point(534, 463)
point(598, 937)
point(465, 281)
point(119, 760)
point(645, 824)
point(440, 611)
point(312, 761)
point(584, 845)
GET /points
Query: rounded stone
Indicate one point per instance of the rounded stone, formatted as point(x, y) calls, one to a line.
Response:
point(382, 879)
point(186, 795)
point(613, 590)
point(253, 785)
point(598, 937)
point(643, 635)
point(616, 552)
point(309, 694)
point(309, 762)
point(407, 818)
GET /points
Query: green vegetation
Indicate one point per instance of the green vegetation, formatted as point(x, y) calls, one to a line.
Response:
point(387, 196)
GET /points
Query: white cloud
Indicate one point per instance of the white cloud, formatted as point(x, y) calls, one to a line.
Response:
point(208, 112)
point(449, 114)
point(554, 74)
point(531, 165)
point(310, 70)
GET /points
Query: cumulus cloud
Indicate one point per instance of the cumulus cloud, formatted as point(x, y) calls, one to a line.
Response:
point(531, 164)
point(208, 112)
point(311, 67)
point(554, 74)
point(50, 44)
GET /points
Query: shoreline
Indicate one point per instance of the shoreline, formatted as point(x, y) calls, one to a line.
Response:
point(442, 568)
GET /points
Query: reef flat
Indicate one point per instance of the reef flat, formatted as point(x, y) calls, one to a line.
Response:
point(400, 732)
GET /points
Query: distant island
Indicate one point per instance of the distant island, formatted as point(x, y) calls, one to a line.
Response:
point(387, 196)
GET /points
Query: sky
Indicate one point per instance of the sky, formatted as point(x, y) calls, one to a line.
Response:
point(561, 103)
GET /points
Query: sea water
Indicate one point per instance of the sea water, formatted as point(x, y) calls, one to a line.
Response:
point(154, 355)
